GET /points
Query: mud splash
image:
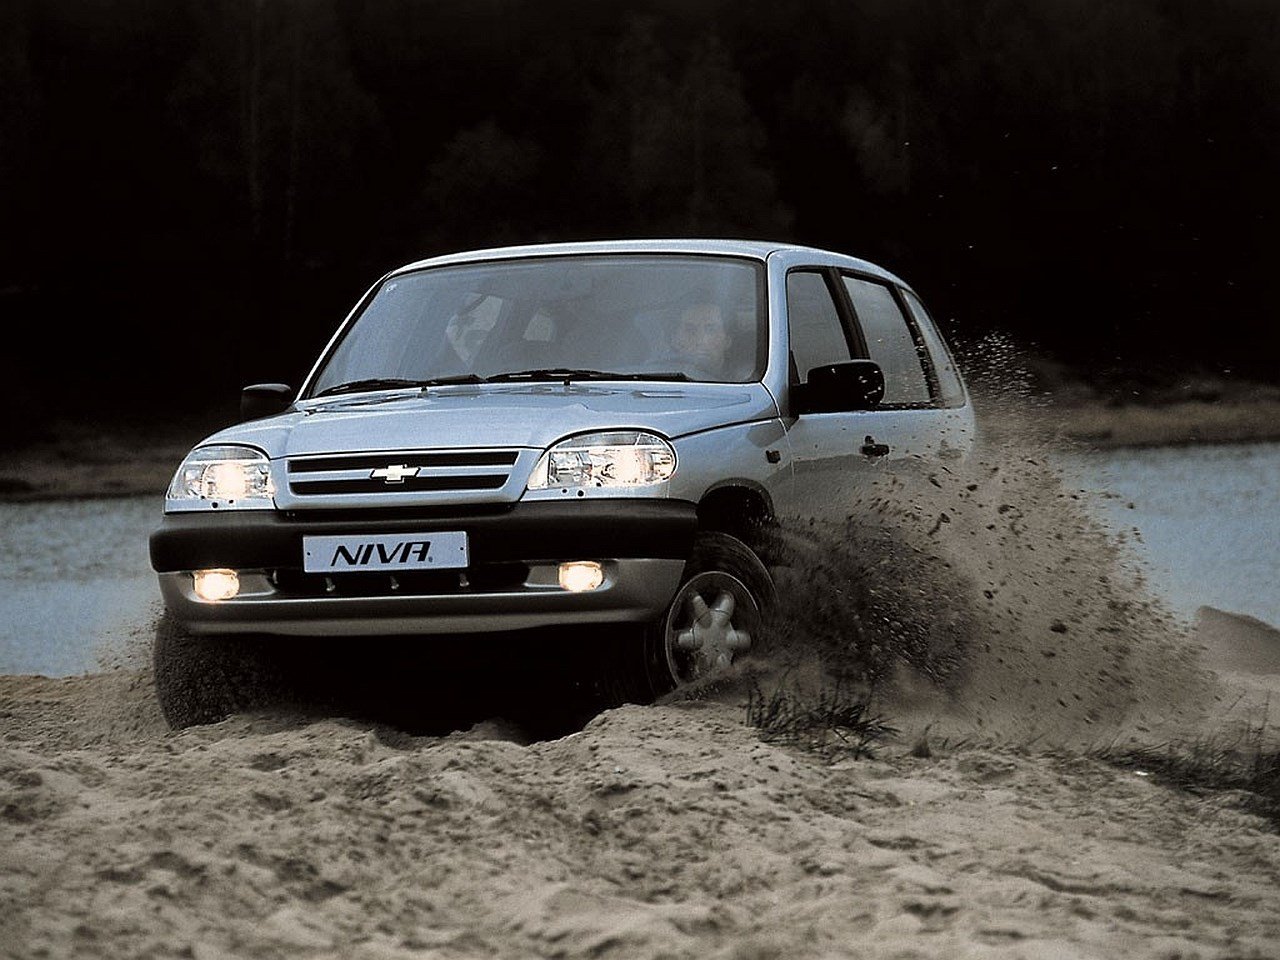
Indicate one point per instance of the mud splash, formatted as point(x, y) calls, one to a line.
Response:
point(983, 600)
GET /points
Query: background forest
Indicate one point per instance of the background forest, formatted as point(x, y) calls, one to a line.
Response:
point(193, 193)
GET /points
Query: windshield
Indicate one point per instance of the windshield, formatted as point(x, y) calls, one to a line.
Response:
point(557, 318)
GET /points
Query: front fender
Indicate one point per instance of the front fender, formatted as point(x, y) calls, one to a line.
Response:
point(752, 455)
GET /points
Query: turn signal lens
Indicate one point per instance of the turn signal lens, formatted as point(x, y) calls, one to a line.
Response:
point(212, 585)
point(578, 576)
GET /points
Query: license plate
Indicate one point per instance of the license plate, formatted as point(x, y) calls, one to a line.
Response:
point(398, 551)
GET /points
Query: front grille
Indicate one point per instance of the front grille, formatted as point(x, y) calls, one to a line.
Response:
point(463, 458)
point(407, 485)
point(462, 471)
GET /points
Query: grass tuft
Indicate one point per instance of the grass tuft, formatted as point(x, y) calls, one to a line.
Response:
point(827, 718)
point(922, 749)
point(1248, 764)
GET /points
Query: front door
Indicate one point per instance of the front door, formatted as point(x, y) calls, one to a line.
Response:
point(838, 458)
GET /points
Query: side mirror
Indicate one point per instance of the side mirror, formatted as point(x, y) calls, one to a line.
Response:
point(264, 400)
point(840, 388)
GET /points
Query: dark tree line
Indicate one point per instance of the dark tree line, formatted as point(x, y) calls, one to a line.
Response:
point(193, 192)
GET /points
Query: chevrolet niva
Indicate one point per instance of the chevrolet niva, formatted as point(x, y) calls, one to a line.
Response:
point(555, 435)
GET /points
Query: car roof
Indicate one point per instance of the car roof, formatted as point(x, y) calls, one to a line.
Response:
point(755, 249)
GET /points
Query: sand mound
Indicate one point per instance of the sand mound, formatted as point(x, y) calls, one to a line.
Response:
point(105, 710)
point(1244, 653)
point(664, 831)
point(1237, 643)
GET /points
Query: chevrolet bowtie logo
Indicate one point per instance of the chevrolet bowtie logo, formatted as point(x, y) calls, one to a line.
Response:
point(394, 473)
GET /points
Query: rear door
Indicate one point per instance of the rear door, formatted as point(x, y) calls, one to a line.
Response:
point(932, 419)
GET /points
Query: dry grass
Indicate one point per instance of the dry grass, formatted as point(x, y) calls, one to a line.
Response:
point(82, 459)
point(833, 717)
point(1101, 424)
point(1248, 765)
point(1136, 408)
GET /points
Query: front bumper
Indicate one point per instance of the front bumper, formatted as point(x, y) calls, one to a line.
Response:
point(510, 584)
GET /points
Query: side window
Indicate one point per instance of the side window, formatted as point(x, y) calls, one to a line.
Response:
point(948, 375)
point(890, 341)
point(817, 335)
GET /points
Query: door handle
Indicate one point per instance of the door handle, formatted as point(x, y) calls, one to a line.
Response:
point(872, 449)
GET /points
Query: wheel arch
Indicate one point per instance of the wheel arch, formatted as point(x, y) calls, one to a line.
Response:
point(737, 507)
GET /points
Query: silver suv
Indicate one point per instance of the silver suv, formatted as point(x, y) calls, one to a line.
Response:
point(514, 439)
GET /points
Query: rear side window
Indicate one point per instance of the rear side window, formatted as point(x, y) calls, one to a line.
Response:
point(890, 342)
point(949, 383)
point(817, 335)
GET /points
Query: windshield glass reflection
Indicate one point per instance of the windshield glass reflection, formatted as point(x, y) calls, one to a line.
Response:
point(593, 317)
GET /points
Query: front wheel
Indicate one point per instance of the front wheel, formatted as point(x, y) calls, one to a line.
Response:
point(716, 617)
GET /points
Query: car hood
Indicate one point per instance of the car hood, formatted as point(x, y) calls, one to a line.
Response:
point(493, 415)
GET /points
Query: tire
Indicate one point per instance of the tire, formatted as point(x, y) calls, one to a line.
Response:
point(718, 613)
point(202, 680)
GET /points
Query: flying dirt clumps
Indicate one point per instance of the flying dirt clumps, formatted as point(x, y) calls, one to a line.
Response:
point(981, 599)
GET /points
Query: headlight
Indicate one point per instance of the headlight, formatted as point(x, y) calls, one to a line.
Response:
point(226, 477)
point(626, 458)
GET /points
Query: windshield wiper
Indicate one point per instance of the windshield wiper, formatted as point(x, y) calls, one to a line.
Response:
point(448, 381)
point(570, 373)
point(391, 383)
point(664, 375)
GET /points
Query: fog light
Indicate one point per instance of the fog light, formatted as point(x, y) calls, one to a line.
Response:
point(216, 584)
point(580, 575)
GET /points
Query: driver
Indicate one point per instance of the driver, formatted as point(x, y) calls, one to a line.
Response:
point(701, 338)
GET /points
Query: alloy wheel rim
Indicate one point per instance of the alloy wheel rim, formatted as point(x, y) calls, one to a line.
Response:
point(713, 620)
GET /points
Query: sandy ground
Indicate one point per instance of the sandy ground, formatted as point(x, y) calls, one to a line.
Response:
point(663, 831)
point(992, 624)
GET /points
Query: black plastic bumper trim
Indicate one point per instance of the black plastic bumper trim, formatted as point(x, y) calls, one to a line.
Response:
point(581, 529)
